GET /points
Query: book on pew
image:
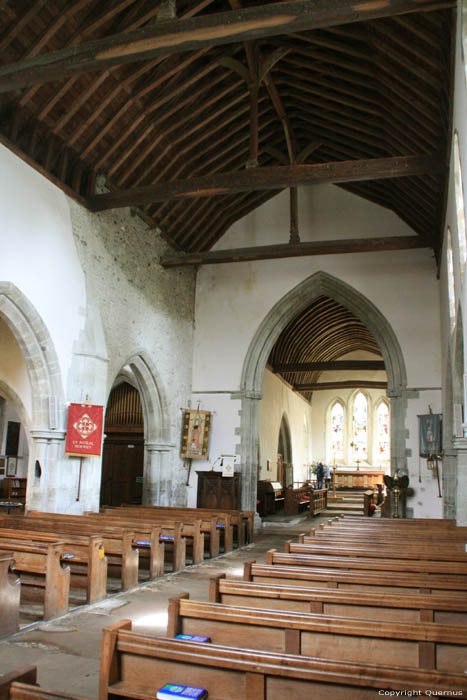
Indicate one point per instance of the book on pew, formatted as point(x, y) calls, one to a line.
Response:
point(170, 691)
point(192, 638)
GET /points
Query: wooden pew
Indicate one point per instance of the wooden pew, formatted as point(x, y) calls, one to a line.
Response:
point(297, 499)
point(136, 665)
point(309, 545)
point(21, 684)
point(24, 691)
point(10, 591)
point(372, 581)
point(193, 530)
point(241, 520)
point(42, 574)
point(210, 526)
point(425, 645)
point(363, 605)
point(147, 534)
point(300, 556)
point(85, 556)
point(454, 544)
point(412, 525)
point(121, 555)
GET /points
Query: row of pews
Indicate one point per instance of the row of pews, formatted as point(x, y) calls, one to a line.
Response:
point(306, 626)
point(56, 554)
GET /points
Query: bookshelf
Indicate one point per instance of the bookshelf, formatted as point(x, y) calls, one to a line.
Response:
point(14, 489)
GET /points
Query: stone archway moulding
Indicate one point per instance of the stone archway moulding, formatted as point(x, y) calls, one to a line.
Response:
point(46, 426)
point(287, 308)
point(158, 447)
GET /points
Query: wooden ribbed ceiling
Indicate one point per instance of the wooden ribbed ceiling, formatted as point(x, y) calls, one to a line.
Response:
point(299, 84)
point(322, 334)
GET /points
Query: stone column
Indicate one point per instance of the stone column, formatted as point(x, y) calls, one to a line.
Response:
point(449, 481)
point(398, 432)
point(46, 445)
point(249, 451)
point(157, 485)
point(460, 445)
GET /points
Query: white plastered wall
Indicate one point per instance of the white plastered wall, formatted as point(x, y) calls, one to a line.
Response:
point(232, 300)
point(279, 400)
point(95, 285)
point(38, 253)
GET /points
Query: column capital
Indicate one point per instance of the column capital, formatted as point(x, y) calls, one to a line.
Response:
point(248, 394)
point(159, 446)
point(46, 434)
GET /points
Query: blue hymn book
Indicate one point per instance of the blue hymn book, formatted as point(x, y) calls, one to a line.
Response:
point(171, 691)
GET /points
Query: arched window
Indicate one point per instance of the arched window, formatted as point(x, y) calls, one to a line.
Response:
point(461, 236)
point(360, 428)
point(337, 432)
point(451, 289)
point(382, 432)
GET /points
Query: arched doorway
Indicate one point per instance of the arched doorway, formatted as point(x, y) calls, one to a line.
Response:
point(296, 301)
point(284, 452)
point(123, 450)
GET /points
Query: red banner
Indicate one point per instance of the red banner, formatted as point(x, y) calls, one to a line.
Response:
point(84, 430)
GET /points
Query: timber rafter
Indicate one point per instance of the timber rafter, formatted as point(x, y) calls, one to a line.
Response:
point(90, 87)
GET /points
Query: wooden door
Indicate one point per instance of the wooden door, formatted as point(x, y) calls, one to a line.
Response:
point(122, 469)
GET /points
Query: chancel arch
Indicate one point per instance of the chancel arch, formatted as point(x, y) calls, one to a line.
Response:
point(288, 308)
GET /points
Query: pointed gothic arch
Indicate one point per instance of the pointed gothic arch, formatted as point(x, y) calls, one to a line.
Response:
point(287, 308)
point(38, 352)
point(47, 421)
point(140, 372)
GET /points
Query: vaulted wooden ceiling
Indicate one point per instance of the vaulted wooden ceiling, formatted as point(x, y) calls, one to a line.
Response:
point(314, 342)
point(196, 118)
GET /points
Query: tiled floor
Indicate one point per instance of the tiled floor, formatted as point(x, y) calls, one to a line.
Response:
point(66, 650)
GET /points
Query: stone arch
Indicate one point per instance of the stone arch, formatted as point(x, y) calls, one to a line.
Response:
point(38, 352)
point(10, 395)
point(158, 447)
point(287, 308)
point(46, 425)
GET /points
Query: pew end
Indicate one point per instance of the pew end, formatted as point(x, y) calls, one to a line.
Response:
point(247, 569)
point(109, 664)
point(270, 556)
point(174, 621)
point(10, 591)
point(27, 674)
point(214, 595)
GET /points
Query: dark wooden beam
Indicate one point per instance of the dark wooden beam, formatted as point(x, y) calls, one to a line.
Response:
point(175, 36)
point(340, 385)
point(272, 178)
point(337, 365)
point(272, 252)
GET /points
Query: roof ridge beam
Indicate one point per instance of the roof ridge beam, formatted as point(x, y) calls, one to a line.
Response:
point(176, 36)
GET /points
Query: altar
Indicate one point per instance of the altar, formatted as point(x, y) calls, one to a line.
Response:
point(351, 478)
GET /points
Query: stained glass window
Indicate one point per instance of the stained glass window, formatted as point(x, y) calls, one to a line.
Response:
point(337, 432)
point(360, 428)
point(382, 421)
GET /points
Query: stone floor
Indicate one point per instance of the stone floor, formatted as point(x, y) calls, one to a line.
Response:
point(66, 650)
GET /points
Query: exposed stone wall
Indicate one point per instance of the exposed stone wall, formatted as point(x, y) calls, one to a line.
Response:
point(136, 309)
